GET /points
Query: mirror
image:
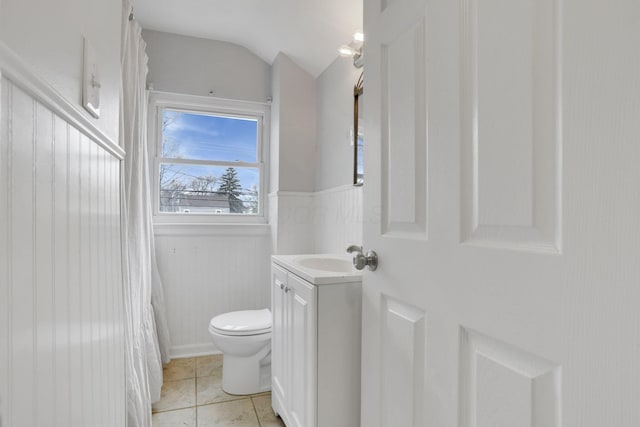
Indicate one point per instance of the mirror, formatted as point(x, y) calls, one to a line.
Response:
point(358, 134)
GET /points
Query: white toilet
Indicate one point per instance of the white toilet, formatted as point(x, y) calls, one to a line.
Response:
point(244, 338)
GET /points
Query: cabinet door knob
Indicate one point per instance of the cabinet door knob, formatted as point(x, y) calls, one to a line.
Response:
point(286, 289)
point(281, 285)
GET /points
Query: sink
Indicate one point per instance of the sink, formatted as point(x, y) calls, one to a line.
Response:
point(327, 264)
point(321, 269)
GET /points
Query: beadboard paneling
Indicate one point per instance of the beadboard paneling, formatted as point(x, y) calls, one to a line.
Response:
point(210, 274)
point(212, 269)
point(322, 222)
point(61, 330)
point(293, 221)
point(337, 219)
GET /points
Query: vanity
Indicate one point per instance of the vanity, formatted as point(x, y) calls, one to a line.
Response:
point(315, 350)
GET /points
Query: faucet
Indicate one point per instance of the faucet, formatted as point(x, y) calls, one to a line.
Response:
point(354, 248)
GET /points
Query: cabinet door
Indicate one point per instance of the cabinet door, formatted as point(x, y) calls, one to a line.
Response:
point(301, 298)
point(279, 348)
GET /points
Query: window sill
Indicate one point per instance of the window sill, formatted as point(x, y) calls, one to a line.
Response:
point(210, 229)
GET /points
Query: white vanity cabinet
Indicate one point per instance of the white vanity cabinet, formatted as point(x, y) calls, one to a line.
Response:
point(293, 347)
point(315, 352)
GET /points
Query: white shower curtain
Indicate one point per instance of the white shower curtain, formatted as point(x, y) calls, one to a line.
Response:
point(146, 328)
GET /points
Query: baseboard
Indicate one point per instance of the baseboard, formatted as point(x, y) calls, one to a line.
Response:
point(182, 351)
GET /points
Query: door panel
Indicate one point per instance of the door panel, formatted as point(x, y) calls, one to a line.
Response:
point(502, 199)
point(279, 348)
point(403, 119)
point(502, 386)
point(511, 117)
point(302, 298)
point(403, 358)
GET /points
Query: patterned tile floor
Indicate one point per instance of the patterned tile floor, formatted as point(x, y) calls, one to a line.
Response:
point(192, 396)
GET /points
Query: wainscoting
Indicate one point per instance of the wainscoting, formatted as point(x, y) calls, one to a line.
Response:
point(291, 218)
point(208, 270)
point(61, 311)
point(337, 219)
point(212, 269)
point(322, 222)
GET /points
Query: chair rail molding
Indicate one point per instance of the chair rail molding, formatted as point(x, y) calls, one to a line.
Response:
point(19, 73)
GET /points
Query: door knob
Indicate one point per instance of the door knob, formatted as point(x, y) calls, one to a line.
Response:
point(361, 260)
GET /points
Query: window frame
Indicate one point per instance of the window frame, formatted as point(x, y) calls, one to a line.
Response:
point(160, 101)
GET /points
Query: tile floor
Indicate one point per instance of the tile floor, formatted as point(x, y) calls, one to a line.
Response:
point(192, 396)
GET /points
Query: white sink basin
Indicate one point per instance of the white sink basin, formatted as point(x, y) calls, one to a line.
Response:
point(321, 269)
point(327, 264)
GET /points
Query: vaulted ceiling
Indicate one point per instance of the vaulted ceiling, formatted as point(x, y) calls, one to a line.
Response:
point(308, 31)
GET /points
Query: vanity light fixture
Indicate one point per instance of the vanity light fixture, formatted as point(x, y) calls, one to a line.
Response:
point(354, 49)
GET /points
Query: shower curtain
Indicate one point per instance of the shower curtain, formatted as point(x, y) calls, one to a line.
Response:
point(146, 328)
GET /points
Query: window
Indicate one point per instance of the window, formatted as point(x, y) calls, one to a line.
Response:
point(209, 157)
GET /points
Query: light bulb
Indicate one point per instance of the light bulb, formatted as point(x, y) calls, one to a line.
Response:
point(345, 51)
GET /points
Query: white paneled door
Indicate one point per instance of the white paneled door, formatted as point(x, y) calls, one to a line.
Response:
point(503, 200)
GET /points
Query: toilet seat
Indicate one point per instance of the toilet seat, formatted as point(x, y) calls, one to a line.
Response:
point(242, 323)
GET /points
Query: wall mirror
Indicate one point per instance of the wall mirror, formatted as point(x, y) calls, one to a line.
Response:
point(358, 134)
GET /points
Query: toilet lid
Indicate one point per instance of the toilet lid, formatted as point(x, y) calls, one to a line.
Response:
point(244, 322)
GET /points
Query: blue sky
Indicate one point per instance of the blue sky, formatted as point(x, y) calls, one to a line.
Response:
point(206, 137)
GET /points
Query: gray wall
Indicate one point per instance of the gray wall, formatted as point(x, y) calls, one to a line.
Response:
point(334, 158)
point(196, 66)
point(311, 119)
point(48, 37)
point(293, 146)
point(293, 135)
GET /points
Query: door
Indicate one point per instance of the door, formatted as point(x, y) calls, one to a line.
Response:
point(293, 348)
point(302, 333)
point(279, 343)
point(502, 154)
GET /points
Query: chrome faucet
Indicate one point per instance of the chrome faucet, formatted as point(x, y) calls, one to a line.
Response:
point(354, 248)
point(361, 260)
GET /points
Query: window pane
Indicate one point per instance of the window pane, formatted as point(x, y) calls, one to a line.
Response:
point(208, 137)
point(209, 189)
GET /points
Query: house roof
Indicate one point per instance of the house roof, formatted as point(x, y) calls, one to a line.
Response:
point(210, 199)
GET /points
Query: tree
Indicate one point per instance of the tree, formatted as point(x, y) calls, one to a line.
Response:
point(171, 188)
point(250, 200)
point(169, 145)
point(230, 184)
point(170, 148)
point(203, 184)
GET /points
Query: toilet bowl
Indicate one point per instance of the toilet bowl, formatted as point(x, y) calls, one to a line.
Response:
point(244, 338)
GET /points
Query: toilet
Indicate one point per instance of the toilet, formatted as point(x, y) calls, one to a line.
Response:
point(244, 338)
